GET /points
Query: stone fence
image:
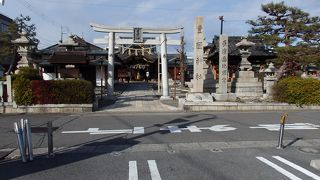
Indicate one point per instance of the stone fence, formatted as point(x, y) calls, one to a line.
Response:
point(49, 108)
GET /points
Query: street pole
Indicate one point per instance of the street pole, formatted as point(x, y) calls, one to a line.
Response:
point(281, 132)
point(159, 74)
point(182, 61)
point(175, 77)
point(101, 79)
point(50, 139)
point(221, 25)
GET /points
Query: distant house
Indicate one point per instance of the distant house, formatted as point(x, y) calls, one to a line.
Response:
point(74, 58)
point(5, 21)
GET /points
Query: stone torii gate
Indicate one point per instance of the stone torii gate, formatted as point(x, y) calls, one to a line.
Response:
point(138, 39)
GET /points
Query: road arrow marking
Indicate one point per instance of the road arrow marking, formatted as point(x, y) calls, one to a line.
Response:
point(220, 128)
point(295, 126)
point(95, 131)
point(216, 128)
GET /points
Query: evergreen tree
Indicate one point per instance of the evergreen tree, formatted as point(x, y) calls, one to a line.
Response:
point(30, 29)
point(284, 24)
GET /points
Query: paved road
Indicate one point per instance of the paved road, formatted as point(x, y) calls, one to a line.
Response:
point(238, 164)
point(217, 145)
point(159, 128)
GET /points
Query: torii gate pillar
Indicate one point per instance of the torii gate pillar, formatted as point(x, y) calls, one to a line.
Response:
point(164, 67)
point(110, 85)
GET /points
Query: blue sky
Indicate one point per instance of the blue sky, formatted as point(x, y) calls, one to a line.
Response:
point(75, 15)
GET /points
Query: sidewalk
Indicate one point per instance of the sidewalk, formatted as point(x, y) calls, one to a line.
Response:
point(136, 97)
point(144, 97)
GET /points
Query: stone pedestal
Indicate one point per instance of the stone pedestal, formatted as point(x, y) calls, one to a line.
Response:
point(199, 97)
point(224, 97)
point(246, 85)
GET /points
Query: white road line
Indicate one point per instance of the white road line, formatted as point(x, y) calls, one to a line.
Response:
point(90, 130)
point(120, 131)
point(299, 168)
point(155, 175)
point(138, 130)
point(278, 168)
point(133, 171)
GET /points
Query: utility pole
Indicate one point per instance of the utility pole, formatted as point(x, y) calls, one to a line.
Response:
point(182, 61)
point(221, 26)
point(61, 34)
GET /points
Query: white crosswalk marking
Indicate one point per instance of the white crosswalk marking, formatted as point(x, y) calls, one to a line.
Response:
point(299, 168)
point(279, 169)
point(285, 172)
point(133, 171)
point(155, 175)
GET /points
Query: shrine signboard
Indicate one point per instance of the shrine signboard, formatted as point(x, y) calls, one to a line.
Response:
point(137, 35)
point(223, 63)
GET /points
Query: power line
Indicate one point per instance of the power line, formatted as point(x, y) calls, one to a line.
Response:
point(92, 3)
point(38, 13)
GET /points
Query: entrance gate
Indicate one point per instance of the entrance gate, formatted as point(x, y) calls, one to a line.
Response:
point(138, 38)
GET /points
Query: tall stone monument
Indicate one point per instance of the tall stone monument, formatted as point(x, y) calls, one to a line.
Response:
point(198, 74)
point(222, 92)
point(199, 66)
point(246, 86)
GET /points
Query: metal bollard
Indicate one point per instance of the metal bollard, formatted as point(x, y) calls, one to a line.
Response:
point(18, 131)
point(50, 139)
point(23, 130)
point(28, 135)
point(281, 131)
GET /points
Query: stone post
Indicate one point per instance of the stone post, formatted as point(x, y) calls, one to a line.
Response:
point(110, 86)
point(223, 64)
point(198, 74)
point(164, 67)
point(222, 92)
point(9, 88)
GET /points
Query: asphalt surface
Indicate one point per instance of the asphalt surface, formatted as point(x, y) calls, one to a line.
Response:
point(154, 125)
point(189, 154)
point(119, 143)
point(178, 165)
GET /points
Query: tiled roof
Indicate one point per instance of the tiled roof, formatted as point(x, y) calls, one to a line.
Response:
point(259, 49)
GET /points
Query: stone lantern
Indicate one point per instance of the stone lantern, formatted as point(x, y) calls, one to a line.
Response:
point(245, 85)
point(270, 71)
point(244, 46)
point(269, 79)
point(24, 45)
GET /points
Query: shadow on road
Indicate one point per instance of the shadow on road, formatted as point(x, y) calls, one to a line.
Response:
point(15, 168)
